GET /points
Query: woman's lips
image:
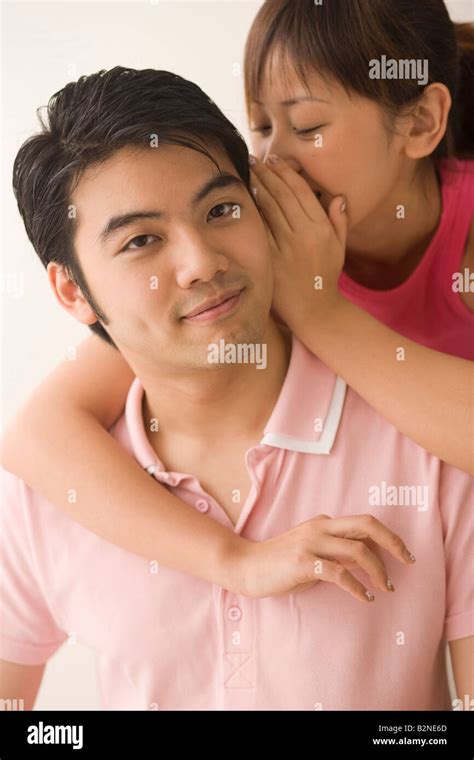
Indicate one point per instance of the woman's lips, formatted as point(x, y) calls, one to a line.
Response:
point(209, 315)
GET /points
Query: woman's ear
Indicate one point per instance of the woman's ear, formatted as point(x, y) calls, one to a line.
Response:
point(69, 295)
point(428, 122)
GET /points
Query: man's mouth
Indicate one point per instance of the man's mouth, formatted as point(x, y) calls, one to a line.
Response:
point(216, 306)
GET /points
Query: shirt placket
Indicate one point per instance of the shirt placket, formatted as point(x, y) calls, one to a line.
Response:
point(235, 614)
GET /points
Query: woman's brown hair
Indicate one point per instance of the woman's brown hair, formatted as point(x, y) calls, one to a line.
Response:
point(339, 38)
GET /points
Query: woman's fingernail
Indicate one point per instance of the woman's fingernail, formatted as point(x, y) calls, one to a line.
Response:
point(409, 556)
point(369, 596)
point(389, 585)
point(273, 158)
point(252, 160)
point(343, 206)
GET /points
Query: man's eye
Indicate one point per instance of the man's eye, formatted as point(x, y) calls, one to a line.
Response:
point(223, 206)
point(139, 240)
point(307, 131)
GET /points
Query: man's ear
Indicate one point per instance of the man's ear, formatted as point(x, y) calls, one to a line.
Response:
point(427, 124)
point(69, 295)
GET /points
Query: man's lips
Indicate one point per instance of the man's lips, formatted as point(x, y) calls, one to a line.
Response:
point(213, 307)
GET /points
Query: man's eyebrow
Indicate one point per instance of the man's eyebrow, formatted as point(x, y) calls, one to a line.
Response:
point(294, 101)
point(219, 182)
point(115, 223)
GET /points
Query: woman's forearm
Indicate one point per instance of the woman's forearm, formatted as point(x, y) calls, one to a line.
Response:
point(425, 394)
point(59, 445)
point(114, 497)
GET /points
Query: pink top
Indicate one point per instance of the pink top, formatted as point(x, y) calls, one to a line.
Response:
point(425, 307)
point(166, 640)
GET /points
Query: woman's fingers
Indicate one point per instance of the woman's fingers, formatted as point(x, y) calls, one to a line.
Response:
point(303, 193)
point(333, 572)
point(338, 217)
point(288, 202)
point(282, 194)
point(334, 544)
point(273, 215)
point(350, 550)
point(360, 527)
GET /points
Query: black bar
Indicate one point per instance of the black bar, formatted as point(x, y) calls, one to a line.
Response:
point(141, 734)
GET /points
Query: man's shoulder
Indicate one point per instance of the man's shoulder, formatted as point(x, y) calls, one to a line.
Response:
point(16, 507)
point(11, 485)
point(18, 499)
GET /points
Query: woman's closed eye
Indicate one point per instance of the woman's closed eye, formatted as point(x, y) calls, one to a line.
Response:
point(309, 131)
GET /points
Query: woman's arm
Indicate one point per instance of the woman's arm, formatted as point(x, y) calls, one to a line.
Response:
point(462, 658)
point(49, 443)
point(120, 502)
point(426, 395)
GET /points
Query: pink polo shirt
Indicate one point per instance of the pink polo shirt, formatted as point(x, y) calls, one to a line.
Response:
point(165, 640)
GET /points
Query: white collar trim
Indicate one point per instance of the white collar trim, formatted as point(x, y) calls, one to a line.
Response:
point(328, 434)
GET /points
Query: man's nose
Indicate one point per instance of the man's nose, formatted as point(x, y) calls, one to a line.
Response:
point(198, 260)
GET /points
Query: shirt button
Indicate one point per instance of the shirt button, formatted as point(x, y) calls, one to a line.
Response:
point(234, 613)
point(202, 505)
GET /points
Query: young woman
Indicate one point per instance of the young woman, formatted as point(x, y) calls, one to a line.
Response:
point(396, 330)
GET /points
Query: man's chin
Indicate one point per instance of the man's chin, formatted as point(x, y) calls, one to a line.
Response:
point(216, 348)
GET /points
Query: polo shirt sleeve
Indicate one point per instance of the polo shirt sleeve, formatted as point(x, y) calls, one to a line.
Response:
point(456, 499)
point(29, 634)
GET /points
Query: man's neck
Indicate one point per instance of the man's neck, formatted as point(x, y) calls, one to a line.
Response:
point(385, 249)
point(210, 405)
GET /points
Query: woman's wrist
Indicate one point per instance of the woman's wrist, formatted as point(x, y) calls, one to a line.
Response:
point(313, 322)
point(235, 564)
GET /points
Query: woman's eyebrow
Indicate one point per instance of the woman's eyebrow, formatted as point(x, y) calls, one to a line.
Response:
point(304, 99)
point(294, 101)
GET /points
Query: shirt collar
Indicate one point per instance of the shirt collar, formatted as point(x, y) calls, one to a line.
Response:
point(307, 414)
point(305, 418)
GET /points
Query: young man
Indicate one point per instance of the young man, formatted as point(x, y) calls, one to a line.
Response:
point(172, 262)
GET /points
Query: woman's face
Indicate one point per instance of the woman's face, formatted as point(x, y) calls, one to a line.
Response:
point(339, 143)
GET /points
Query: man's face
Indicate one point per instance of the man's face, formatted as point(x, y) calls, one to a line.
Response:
point(151, 275)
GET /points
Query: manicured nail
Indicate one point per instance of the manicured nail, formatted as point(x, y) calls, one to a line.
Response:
point(273, 158)
point(389, 585)
point(252, 160)
point(409, 556)
point(369, 596)
point(343, 206)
